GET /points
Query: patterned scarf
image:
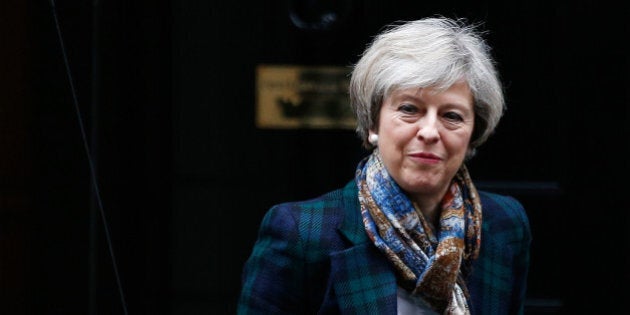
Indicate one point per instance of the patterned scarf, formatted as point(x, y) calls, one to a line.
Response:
point(429, 266)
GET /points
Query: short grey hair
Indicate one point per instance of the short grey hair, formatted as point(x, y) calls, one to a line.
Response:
point(431, 52)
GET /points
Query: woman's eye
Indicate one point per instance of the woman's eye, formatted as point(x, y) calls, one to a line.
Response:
point(452, 116)
point(407, 109)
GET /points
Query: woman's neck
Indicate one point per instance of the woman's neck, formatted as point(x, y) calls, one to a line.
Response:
point(430, 210)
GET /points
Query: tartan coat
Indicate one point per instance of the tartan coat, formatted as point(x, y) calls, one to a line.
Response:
point(314, 257)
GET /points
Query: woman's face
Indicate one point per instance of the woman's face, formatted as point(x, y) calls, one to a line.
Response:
point(423, 136)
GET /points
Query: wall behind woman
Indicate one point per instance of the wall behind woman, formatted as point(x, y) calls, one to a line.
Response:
point(54, 256)
point(186, 176)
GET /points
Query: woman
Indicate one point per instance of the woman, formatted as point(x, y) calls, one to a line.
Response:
point(409, 234)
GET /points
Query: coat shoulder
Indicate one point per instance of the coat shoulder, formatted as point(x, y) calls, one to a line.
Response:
point(503, 212)
point(316, 223)
point(328, 208)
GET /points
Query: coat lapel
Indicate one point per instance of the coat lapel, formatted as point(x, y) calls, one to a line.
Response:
point(362, 278)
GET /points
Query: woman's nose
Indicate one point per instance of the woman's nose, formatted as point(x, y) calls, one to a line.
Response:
point(428, 128)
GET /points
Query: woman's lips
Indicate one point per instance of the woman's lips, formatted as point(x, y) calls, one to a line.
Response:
point(424, 157)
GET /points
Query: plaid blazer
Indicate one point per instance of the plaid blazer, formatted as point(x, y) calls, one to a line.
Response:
point(314, 257)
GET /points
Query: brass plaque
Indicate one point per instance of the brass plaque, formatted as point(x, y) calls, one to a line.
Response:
point(292, 97)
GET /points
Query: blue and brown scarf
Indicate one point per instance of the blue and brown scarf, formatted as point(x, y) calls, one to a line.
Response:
point(430, 264)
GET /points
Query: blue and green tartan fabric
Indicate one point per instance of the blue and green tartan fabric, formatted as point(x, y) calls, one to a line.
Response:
point(314, 257)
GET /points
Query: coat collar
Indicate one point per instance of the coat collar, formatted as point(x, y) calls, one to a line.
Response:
point(351, 226)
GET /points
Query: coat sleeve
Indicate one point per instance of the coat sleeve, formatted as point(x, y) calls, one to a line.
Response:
point(522, 257)
point(273, 275)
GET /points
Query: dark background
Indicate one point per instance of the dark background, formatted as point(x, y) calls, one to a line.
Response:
point(166, 92)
